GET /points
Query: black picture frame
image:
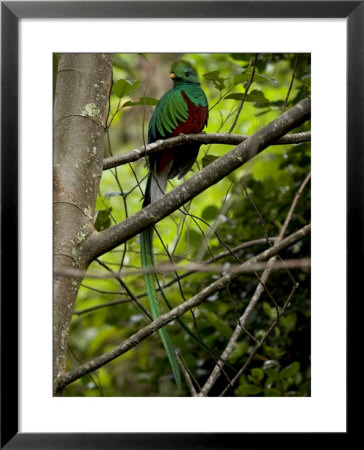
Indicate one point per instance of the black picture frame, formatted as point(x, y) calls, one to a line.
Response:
point(11, 12)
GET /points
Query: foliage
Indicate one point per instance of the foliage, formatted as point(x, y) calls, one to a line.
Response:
point(251, 203)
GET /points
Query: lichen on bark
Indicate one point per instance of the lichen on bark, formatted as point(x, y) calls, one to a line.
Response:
point(80, 110)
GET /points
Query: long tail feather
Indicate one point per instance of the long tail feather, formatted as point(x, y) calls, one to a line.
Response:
point(146, 241)
point(198, 341)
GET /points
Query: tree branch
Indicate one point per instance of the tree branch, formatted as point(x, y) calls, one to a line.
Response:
point(221, 255)
point(177, 311)
point(261, 342)
point(83, 84)
point(254, 300)
point(203, 138)
point(245, 94)
point(190, 267)
point(101, 242)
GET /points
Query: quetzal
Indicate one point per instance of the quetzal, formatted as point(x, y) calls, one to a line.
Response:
point(182, 109)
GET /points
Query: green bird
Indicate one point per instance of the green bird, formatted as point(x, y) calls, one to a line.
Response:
point(182, 109)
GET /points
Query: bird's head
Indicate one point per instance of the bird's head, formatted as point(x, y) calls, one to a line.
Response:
point(183, 72)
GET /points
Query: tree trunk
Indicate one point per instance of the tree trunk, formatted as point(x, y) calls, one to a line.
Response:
point(80, 112)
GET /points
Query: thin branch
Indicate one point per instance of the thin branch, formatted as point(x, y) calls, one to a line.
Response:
point(221, 255)
point(193, 267)
point(93, 308)
point(187, 375)
point(258, 213)
point(202, 138)
point(101, 291)
point(115, 174)
point(212, 228)
point(261, 220)
point(101, 242)
point(164, 319)
point(128, 291)
point(244, 95)
point(255, 298)
point(291, 83)
point(261, 342)
point(293, 206)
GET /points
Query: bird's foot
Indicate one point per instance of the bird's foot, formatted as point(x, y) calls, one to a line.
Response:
point(185, 137)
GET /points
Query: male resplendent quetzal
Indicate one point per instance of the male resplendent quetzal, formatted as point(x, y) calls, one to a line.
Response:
point(182, 109)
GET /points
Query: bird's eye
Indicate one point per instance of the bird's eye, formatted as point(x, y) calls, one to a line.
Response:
point(187, 74)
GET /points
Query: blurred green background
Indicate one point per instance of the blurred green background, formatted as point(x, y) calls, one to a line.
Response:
point(104, 315)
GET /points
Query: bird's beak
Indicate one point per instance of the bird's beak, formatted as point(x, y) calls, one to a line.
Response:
point(172, 75)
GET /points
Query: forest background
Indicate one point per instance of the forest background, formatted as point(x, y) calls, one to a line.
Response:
point(232, 221)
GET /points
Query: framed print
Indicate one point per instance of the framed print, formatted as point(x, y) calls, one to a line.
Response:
point(97, 98)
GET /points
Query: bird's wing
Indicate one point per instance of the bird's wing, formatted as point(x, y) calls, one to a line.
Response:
point(169, 112)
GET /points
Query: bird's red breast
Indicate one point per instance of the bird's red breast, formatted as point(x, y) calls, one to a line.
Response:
point(196, 118)
point(194, 124)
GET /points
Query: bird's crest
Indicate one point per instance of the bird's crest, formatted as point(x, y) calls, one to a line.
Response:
point(181, 62)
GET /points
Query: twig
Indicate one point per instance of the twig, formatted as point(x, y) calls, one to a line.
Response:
point(258, 213)
point(101, 291)
point(291, 83)
point(203, 138)
point(193, 267)
point(104, 305)
point(244, 96)
point(255, 298)
point(186, 374)
point(103, 241)
point(128, 291)
point(175, 280)
point(261, 342)
point(293, 206)
point(212, 228)
point(164, 319)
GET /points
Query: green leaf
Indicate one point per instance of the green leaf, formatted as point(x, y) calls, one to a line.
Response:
point(257, 374)
point(142, 101)
point(217, 80)
point(272, 373)
point(208, 159)
point(247, 74)
point(259, 334)
point(269, 311)
point(290, 370)
point(236, 96)
point(268, 382)
point(263, 78)
point(254, 96)
point(219, 324)
point(289, 322)
point(272, 392)
point(248, 389)
point(246, 57)
point(298, 378)
point(257, 96)
point(240, 349)
point(123, 87)
point(241, 77)
point(210, 212)
point(102, 219)
point(273, 353)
